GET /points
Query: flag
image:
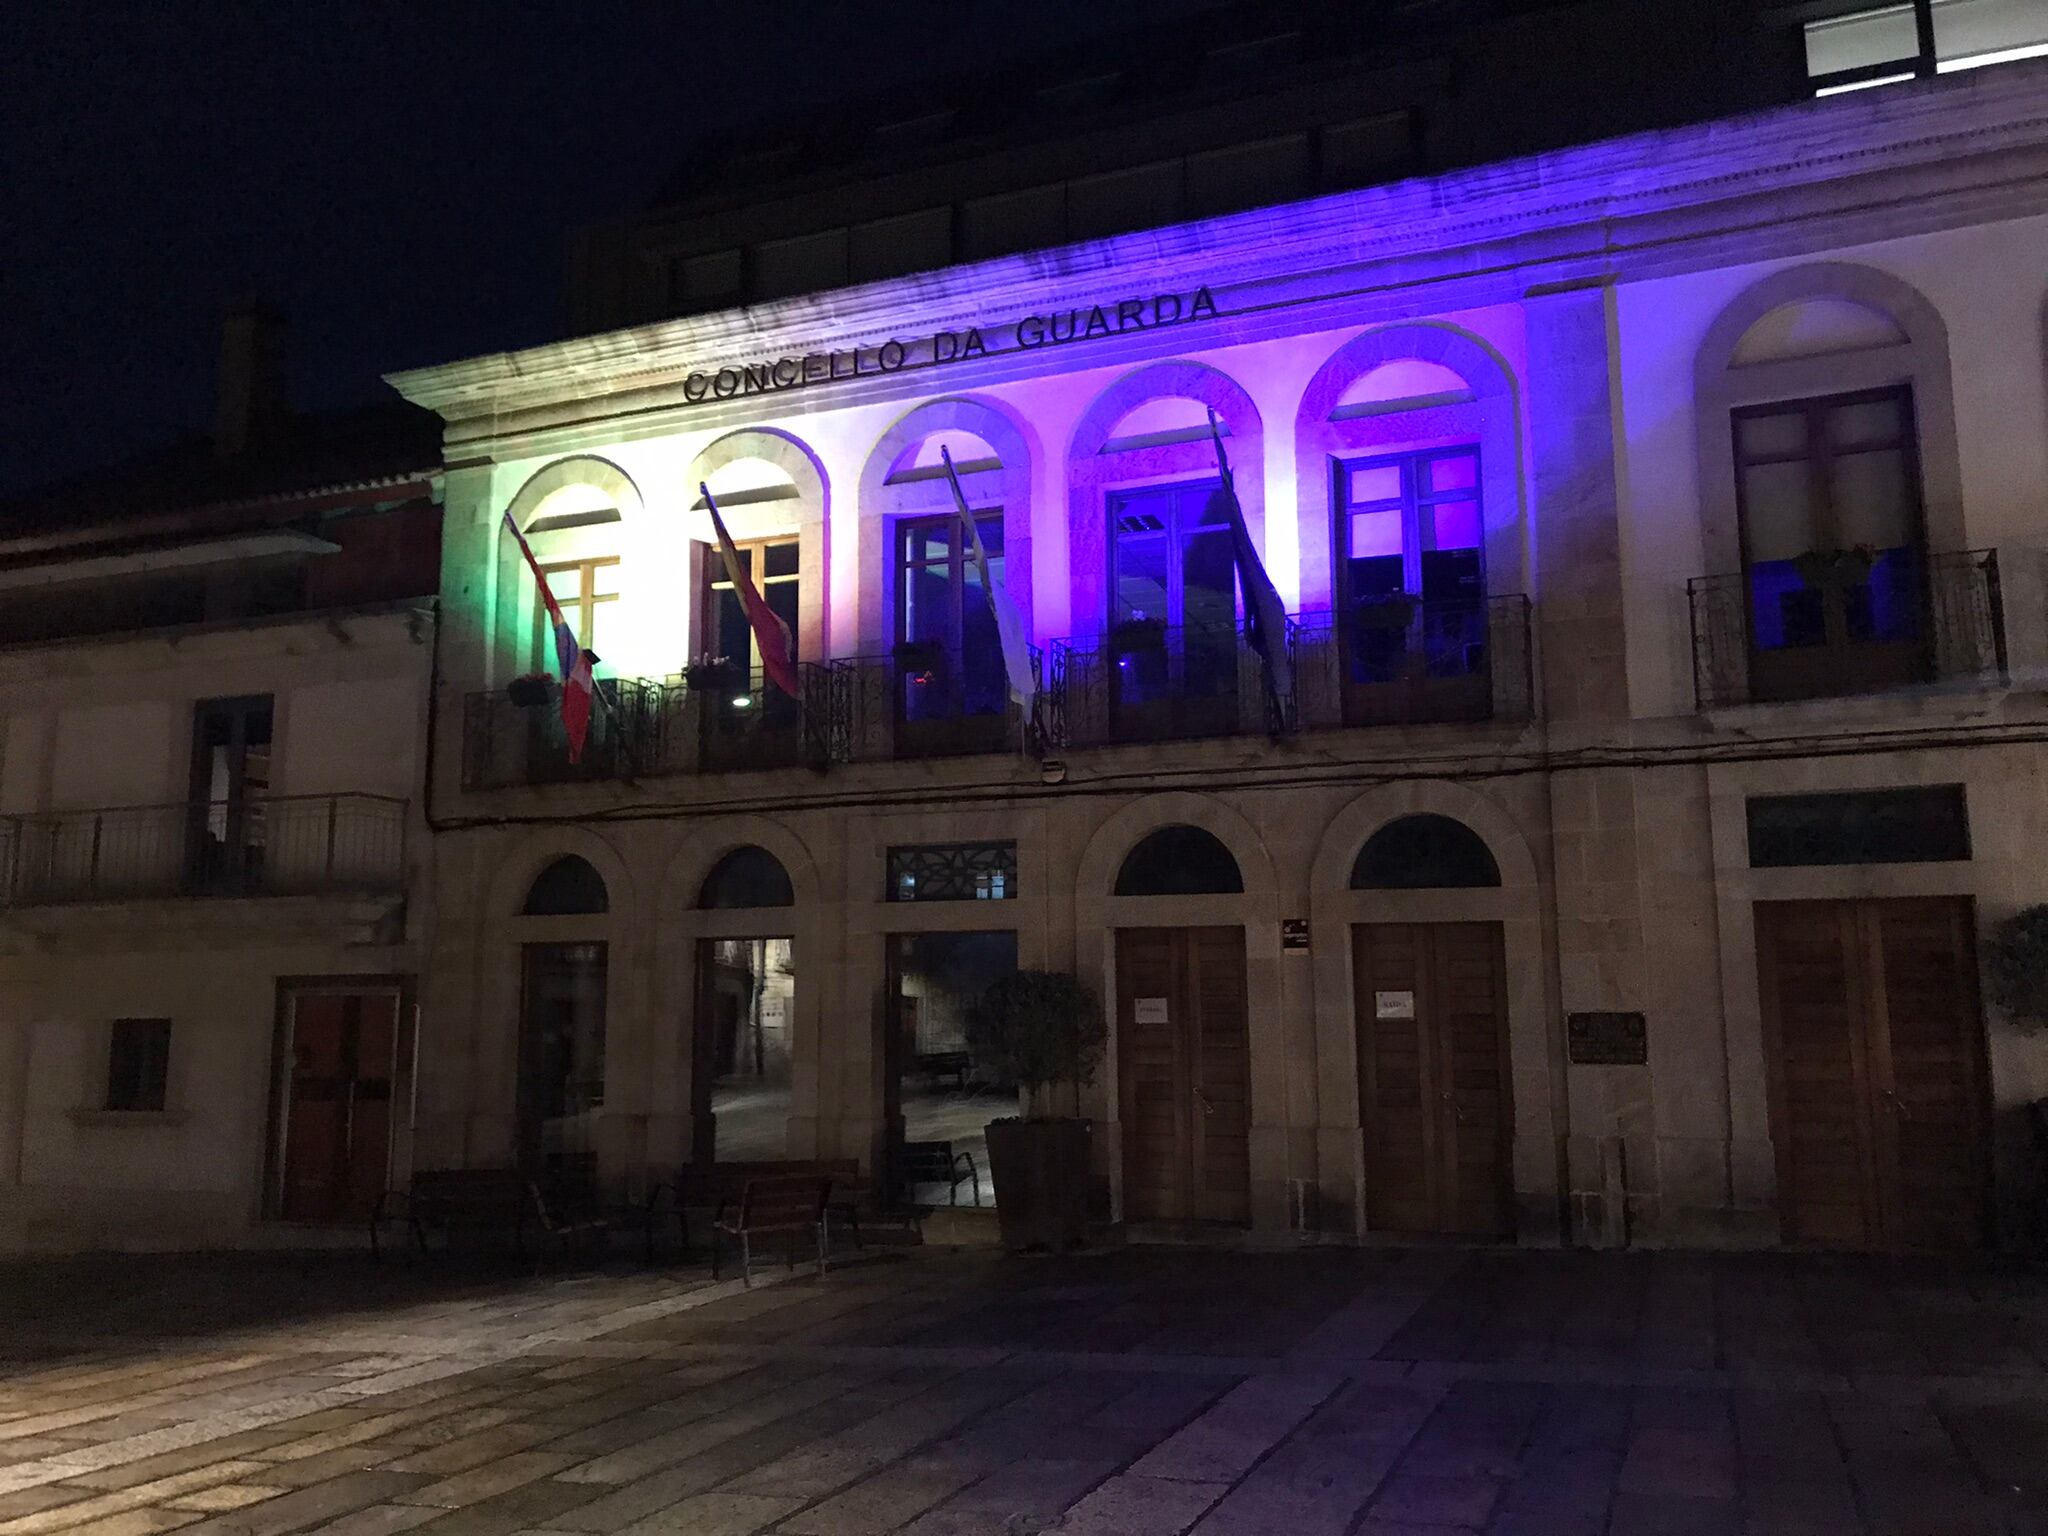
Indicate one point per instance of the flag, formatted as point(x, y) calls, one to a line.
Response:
point(1265, 616)
point(574, 660)
point(1009, 622)
point(778, 647)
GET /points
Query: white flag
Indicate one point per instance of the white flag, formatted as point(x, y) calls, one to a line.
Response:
point(1009, 622)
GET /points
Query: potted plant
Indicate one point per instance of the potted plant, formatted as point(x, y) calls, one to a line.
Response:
point(1040, 1029)
point(1137, 634)
point(2016, 967)
point(532, 691)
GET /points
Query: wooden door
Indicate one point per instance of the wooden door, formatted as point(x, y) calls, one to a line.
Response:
point(1433, 1088)
point(1183, 1074)
point(1874, 1049)
point(337, 1141)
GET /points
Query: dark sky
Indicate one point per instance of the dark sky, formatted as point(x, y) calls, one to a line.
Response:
point(399, 177)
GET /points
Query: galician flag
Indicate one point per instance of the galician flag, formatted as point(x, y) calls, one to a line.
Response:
point(1009, 622)
point(1265, 615)
point(573, 659)
point(778, 646)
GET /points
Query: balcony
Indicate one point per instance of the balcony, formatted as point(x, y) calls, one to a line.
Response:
point(928, 700)
point(1830, 626)
point(1151, 682)
point(295, 845)
point(1413, 661)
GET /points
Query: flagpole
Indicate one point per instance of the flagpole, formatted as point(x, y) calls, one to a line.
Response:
point(1009, 622)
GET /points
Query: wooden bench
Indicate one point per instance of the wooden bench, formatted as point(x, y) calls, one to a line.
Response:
point(452, 1199)
point(713, 1187)
point(566, 1212)
point(935, 1162)
point(792, 1204)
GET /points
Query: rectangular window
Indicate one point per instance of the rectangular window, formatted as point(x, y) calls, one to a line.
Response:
point(226, 829)
point(949, 652)
point(1173, 621)
point(771, 564)
point(953, 872)
point(587, 592)
point(1867, 45)
point(1411, 542)
point(1886, 826)
point(138, 1065)
point(1834, 564)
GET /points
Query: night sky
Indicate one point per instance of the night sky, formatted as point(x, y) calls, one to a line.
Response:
point(399, 178)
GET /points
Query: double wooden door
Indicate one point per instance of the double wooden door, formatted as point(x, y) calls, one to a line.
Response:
point(337, 1134)
point(1183, 1074)
point(1874, 1048)
point(1433, 1085)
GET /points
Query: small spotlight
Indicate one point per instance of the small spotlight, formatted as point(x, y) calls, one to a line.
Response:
point(1052, 771)
point(744, 701)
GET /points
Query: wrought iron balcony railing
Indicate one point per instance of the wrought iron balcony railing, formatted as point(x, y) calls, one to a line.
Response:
point(288, 845)
point(1151, 682)
point(1413, 661)
point(1832, 625)
point(929, 700)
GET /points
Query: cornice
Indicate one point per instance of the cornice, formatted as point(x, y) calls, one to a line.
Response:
point(1584, 210)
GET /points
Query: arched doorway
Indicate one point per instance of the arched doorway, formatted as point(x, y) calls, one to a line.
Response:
point(562, 1021)
point(1183, 1055)
point(1433, 1068)
point(742, 1056)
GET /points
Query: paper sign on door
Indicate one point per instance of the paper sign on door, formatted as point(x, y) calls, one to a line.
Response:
point(1150, 1010)
point(1393, 1005)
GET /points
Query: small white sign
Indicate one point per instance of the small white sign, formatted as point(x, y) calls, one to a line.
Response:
point(1150, 1010)
point(1393, 1005)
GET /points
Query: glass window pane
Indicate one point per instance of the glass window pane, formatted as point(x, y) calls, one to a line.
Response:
point(605, 578)
point(1879, 35)
point(926, 542)
point(1210, 506)
point(734, 639)
point(1459, 472)
point(1456, 525)
point(781, 597)
point(991, 531)
point(1787, 612)
point(1777, 512)
point(1452, 576)
point(604, 635)
point(1375, 578)
point(927, 604)
point(1141, 578)
point(1866, 424)
point(1209, 583)
point(1989, 30)
point(1873, 501)
point(780, 560)
point(1376, 482)
point(1375, 533)
point(1771, 437)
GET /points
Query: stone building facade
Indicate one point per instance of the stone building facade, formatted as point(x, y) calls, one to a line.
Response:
point(1659, 522)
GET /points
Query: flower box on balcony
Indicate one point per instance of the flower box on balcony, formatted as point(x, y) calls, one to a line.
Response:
point(532, 691)
point(1137, 635)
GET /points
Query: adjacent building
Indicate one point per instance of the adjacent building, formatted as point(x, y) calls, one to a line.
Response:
point(214, 667)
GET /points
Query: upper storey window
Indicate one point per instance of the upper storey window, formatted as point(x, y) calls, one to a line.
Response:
point(1833, 547)
point(950, 655)
point(1412, 581)
point(771, 564)
point(1863, 45)
point(588, 594)
point(1173, 620)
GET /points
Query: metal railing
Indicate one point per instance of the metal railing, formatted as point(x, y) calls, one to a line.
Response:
point(288, 845)
point(1151, 682)
point(1413, 661)
point(1827, 640)
point(929, 701)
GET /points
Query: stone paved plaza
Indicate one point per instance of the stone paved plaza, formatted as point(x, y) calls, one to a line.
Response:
point(1144, 1391)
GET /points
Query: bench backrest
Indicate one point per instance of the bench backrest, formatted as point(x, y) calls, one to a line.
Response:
point(784, 1202)
point(707, 1183)
point(469, 1190)
point(925, 1160)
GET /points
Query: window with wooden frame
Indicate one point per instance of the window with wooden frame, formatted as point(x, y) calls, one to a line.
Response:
point(587, 592)
point(771, 564)
point(1833, 541)
point(138, 1066)
point(950, 655)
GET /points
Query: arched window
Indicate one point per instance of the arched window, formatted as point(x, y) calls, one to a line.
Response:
point(1417, 853)
point(747, 877)
point(1179, 861)
point(569, 887)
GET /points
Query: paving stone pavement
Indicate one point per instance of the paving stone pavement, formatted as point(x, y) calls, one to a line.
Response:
point(1138, 1392)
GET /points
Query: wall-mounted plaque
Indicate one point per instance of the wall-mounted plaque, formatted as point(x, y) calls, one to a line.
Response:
point(1294, 933)
point(1606, 1039)
point(1149, 1010)
point(1393, 1005)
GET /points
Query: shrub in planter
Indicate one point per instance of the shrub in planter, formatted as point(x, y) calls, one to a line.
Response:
point(1040, 1030)
point(531, 691)
point(2016, 966)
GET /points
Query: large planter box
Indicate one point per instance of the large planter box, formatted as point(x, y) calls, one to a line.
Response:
point(1041, 1170)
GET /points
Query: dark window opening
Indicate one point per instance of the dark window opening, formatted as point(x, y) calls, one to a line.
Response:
point(1179, 861)
point(948, 650)
point(1884, 826)
point(569, 887)
point(746, 877)
point(138, 1065)
point(1421, 853)
point(953, 872)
